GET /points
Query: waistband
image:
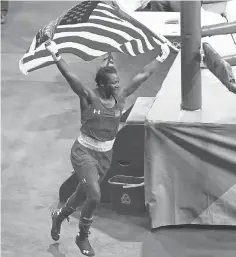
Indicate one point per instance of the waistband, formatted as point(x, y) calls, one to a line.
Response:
point(94, 144)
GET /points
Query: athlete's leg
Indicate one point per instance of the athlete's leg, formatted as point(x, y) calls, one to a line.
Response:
point(89, 181)
point(80, 159)
point(90, 176)
point(77, 198)
point(58, 216)
point(88, 184)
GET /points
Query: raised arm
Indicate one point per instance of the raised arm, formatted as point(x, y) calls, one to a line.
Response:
point(75, 84)
point(145, 73)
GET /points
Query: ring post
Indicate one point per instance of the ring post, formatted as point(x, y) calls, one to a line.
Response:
point(190, 55)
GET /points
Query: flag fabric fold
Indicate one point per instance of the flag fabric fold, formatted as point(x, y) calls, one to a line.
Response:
point(88, 30)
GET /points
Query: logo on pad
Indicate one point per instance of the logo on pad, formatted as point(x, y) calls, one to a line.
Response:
point(125, 199)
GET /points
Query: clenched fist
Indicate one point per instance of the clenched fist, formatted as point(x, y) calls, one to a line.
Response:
point(51, 46)
point(165, 51)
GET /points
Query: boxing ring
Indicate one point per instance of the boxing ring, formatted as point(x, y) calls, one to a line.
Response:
point(190, 134)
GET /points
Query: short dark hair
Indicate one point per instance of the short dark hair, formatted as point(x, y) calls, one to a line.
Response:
point(101, 76)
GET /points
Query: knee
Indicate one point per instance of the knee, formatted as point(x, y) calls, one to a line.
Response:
point(94, 197)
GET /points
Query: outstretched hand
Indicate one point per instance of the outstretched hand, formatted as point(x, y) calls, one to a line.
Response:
point(165, 51)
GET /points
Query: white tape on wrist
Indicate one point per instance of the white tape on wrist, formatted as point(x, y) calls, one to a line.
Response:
point(56, 57)
point(160, 58)
point(165, 51)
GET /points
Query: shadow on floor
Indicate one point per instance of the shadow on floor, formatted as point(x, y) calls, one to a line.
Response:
point(177, 241)
point(54, 249)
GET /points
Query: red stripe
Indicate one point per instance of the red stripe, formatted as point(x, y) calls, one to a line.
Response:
point(41, 66)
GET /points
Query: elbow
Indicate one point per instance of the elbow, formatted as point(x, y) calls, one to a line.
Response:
point(145, 75)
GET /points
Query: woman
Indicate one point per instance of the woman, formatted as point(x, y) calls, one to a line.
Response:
point(91, 153)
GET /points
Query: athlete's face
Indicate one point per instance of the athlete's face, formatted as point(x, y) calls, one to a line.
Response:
point(112, 83)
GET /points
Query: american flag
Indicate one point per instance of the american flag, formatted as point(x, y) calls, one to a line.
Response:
point(89, 30)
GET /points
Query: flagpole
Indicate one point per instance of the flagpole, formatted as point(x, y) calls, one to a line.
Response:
point(191, 88)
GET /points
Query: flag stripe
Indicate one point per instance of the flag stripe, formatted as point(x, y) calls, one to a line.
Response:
point(32, 46)
point(63, 43)
point(36, 62)
point(140, 46)
point(108, 46)
point(138, 26)
point(104, 6)
point(86, 37)
point(120, 31)
point(137, 44)
point(153, 41)
point(105, 15)
point(124, 49)
point(132, 48)
point(122, 27)
point(37, 55)
point(129, 48)
point(84, 55)
point(107, 12)
point(134, 45)
point(136, 32)
point(125, 32)
point(97, 29)
point(43, 65)
point(40, 48)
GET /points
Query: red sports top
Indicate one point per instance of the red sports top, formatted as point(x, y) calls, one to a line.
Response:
point(99, 122)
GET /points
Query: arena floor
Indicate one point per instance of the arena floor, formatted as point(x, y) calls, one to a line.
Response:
point(40, 120)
